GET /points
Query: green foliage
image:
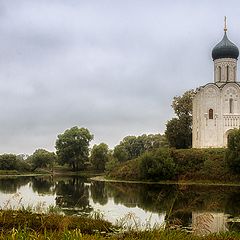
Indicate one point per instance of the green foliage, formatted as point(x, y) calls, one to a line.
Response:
point(120, 153)
point(157, 165)
point(99, 156)
point(8, 161)
point(181, 164)
point(73, 147)
point(111, 164)
point(11, 162)
point(233, 151)
point(188, 160)
point(179, 130)
point(10, 219)
point(182, 105)
point(132, 147)
point(41, 158)
point(128, 170)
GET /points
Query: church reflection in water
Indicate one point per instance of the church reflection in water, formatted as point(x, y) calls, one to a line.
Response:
point(209, 222)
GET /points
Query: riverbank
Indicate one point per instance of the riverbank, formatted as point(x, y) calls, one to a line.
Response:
point(43, 172)
point(194, 166)
point(103, 178)
point(28, 225)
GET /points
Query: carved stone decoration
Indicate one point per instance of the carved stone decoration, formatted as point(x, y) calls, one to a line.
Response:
point(210, 92)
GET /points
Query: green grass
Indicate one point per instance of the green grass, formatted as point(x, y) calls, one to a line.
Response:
point(76, 234)
point(26, 225)
point(9, 172)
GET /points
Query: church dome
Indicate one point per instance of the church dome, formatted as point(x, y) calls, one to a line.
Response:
point(225, 49)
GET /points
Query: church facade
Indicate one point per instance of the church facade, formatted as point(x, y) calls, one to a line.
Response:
point(216, 106)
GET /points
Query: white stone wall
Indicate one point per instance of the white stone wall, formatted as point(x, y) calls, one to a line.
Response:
point(213, 132)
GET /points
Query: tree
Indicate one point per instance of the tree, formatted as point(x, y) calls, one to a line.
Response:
point(133, 146)
point(8, 162)
point(120, 153)
point(99, 156)
point(73, 147)
point(182, 105)
point(233, 151)
point(179, 130)
point(42, 158)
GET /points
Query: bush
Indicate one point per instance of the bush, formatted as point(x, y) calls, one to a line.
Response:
point(157, 165)
point(128, 170)
point(188, 160)
point(200, 164)
point(233, 151)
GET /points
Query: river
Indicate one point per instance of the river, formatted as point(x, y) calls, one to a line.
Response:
point(201, 208)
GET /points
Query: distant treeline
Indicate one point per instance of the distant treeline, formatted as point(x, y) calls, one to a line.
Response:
point(73, 149)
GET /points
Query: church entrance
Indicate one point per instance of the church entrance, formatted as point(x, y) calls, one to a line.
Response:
point(225, 137)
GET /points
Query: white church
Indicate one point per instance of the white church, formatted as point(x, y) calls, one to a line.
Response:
point(216, 106)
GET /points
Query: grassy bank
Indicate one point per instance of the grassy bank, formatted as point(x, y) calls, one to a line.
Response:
point(194, 165)
point(26, 225)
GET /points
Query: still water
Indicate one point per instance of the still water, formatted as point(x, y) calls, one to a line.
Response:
point(194, 207)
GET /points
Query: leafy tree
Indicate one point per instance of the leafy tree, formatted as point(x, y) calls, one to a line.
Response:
point(73, 147)
point(120, 153)
point(99, 156)
point(42, 158)
point(133, 146)
point(182, 105)
point(8, 162)
point(11, 162)
point(179, 130)
point(233, 151)
point(111, 164)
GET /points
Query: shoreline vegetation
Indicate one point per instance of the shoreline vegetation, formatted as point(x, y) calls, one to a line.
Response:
point(180, 166)
point(104, 178)
point(159, 166)
point(23, 224)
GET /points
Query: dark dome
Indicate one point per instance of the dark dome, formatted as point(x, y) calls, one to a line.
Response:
point(225, 49)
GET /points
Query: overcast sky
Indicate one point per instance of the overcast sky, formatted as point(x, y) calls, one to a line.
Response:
point(112, 66)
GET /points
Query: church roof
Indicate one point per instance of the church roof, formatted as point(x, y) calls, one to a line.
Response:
point(225, 49)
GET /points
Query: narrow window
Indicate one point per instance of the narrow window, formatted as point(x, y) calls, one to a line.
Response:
point(227, 73)
point(234, 73)
point(231, 105)
point(210, 114)
point(219, 74)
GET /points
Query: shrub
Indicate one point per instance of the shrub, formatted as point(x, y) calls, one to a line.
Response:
point(233, 151)
point(157, 165)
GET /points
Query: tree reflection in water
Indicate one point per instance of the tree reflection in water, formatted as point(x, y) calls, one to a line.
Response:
point(98, 192)
point(178, 203)
point(73, 194)
point(43, 185)
point(12, 184)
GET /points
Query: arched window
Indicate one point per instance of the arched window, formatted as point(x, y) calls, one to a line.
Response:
point(210, 114)
point(231, 105)
point(219, 74)
point(227, 73)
